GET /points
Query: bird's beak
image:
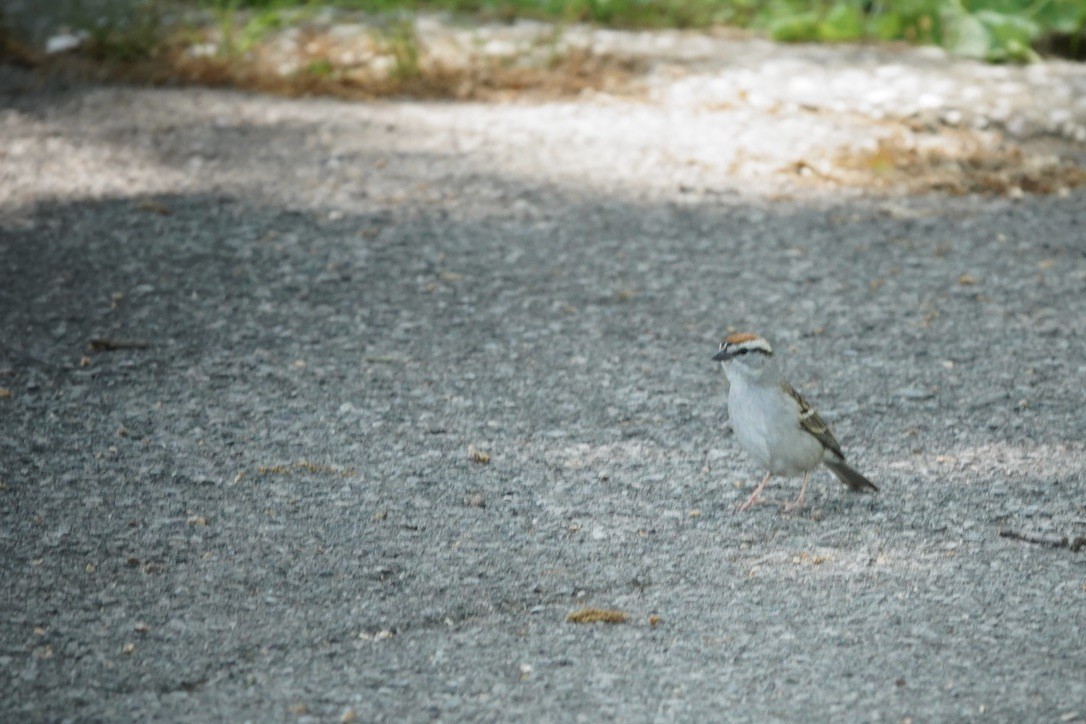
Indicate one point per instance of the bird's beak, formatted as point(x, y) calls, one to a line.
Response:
point(722, 355)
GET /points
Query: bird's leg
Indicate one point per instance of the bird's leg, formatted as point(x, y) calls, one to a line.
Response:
point(754, 496)
point(798, 502)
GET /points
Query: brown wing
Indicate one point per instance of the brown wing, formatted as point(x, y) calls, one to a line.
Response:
point(813, 423)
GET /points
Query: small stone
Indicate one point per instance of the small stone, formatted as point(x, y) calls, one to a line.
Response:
point(914, 393)
point(63, 43)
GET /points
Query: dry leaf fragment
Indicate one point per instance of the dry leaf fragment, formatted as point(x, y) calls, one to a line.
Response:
point(84, 361)
point(197, 520)
point(478, 455)
point(108, 344)
point(654, 620)
point(155, 207)
point(141, 627)
point(43, 652)
point(597, 615)
point(967, 280)
point(5, 393)
point(379, 636)
point(129, 649)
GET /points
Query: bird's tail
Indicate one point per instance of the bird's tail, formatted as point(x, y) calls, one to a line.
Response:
point(850, 477)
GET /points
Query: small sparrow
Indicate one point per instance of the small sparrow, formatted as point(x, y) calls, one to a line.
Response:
point(773, 423)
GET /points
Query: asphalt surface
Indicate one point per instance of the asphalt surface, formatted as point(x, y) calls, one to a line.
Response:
point(278, 509)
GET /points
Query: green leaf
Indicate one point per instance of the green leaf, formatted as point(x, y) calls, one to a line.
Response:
point(794, 28)
point(1009, 36)
point(965, 35)
point(1062, 16)
point(1005, 27)
point(887, 26)
point(844, 21)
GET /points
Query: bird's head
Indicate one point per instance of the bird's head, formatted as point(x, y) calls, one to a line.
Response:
point(744, 353)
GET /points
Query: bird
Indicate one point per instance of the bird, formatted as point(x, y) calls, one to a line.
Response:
point(774, 424)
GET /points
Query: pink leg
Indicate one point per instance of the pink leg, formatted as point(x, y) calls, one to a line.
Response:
point(754, 496)
point(798, 502)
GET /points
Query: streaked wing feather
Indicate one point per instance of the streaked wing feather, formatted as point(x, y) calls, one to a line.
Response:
point(813, 423)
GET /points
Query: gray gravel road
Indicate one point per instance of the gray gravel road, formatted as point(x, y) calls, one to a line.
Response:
point(271, 512)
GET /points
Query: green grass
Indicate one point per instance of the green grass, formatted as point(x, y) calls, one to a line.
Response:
point(124, 34)
point(401, 42)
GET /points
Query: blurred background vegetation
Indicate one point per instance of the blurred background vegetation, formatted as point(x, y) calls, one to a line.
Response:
point(994, 30)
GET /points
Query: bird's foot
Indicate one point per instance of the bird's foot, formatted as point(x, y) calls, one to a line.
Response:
point(798, 502)
point(795, 505)
point(749, 503)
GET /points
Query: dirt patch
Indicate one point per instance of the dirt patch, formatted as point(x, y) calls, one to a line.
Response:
point(951, 161)
point(360, 62)
point(568, 75)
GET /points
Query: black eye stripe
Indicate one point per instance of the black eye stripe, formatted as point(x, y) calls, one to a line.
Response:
point(735, 350)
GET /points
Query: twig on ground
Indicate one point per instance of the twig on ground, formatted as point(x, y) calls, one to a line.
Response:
point(108, 344)
point(1052, 541)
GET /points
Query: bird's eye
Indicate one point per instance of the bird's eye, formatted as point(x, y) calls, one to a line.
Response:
point(743, 351)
